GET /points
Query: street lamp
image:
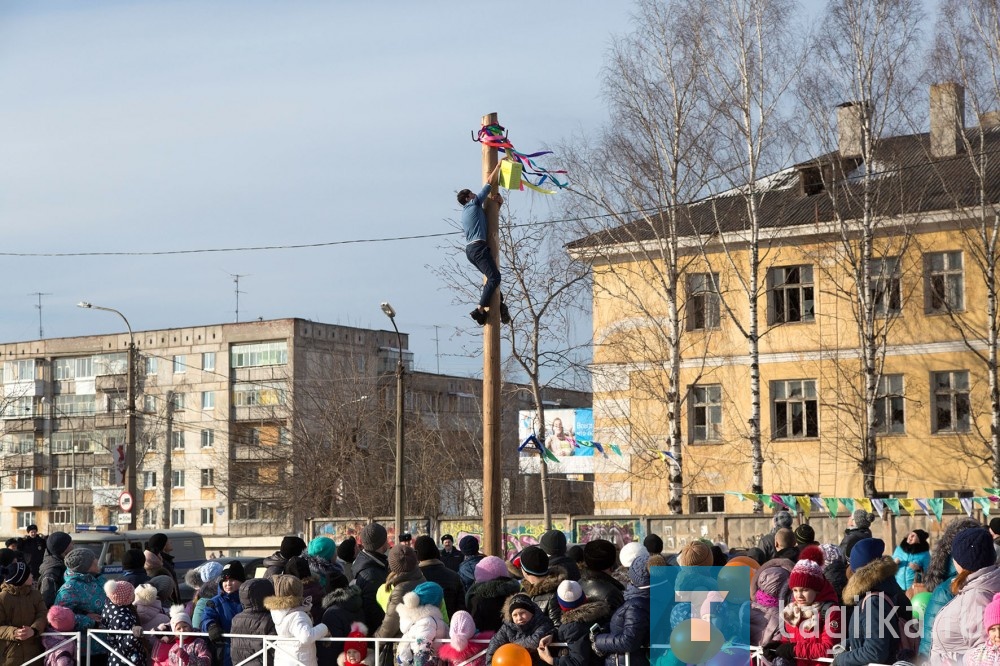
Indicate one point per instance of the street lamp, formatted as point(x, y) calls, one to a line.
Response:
point(400, 422)
point(130, 472)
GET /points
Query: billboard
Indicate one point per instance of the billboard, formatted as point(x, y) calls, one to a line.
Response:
point(568, 434)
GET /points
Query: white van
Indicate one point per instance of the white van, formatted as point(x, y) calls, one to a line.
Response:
point(110, 546)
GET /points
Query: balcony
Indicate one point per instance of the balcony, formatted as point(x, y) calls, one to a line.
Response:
point(23, 498)
point(29, 424)
point(111, 383)
point(24, 388)
point(260, 413)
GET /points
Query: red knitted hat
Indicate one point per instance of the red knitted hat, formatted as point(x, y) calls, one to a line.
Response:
point(808, 571)
point(358, 630)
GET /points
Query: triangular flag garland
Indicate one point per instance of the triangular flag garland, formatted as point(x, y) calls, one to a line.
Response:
point(546, 454)
point(533, 440)
point(804, 504)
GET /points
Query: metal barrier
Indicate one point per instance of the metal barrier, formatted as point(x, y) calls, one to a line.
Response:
point(71, 637)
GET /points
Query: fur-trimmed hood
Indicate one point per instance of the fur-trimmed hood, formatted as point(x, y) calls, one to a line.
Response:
point(410, 612)
point(348, 598)
point(588, 613)
point(283, 603)
point(868, 578)
point(546, 585)
point(496, 588)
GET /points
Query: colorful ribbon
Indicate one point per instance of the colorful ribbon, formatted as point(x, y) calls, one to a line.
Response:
point(493, 136)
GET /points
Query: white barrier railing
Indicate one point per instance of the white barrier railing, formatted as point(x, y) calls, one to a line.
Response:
point(70, 638)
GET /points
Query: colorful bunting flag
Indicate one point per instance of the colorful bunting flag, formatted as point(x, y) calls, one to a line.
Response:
point(966, 503)
point(923, 505)
point(618, 451)
point(892, 504)
point(953, 503)
point(848, 504)
point(831, 505)
point(879, 507)
point(909, 504)
point(805, 504)
point(992, 491)
point(768, 502)
point(789, 501)
point(984, 504)
point(863, 503)
point(936, 505)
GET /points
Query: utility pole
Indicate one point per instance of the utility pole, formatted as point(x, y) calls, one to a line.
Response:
point(167, 462)
point(39, 294)
point(492, 520)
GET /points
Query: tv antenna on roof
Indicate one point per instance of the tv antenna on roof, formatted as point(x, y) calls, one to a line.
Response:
point(39, 294)
point(236, 279)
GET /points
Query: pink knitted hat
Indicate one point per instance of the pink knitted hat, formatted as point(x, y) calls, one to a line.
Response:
point(991, 616)
point(120, 592)
point(61, 618)
point(491, 567)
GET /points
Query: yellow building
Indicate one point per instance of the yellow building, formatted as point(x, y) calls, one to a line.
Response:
point(929, 295)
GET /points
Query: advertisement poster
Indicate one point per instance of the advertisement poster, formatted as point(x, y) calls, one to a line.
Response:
point(568, 435)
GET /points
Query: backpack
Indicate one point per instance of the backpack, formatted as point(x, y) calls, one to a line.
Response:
point(909, 644)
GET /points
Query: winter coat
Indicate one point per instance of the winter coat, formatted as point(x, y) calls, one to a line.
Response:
point(452, 654)
point(400, 585)
point(939, 599)
point(575, 632)
point(568, 565)
point(958, 626)
point(420, 627)
point(543, 593)
point(852, 535)
point(150, 617)
point(33, 549)
point(816, 642)
point(254, 620)
point(454, 591)
point(904, 574)
point(599, 586)
point(329, 573)
point(20, 606)
point(205, 594)
point(341, 608)
point(221, 610)
point(526, 636)
point(312, 596)
point(159, 564)
point(370, 571)
point(123, 618)
point(467, 571)
point(296, 633)
point(135, 576)
point(836, 574)
point(63, 656)
point(765, 620)
point(628, 631)
point(274, 563)
point(82, 593)
point(766, 545)
point(452, 560)
point(189, 652)
point(867, 640)
point(51, 576)
point(485, 602)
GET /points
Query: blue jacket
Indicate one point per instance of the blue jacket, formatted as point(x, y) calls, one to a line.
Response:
point(221, 610)
point(474, 217)
point(905, 575)
point(467, 571)
point(628, 631)
point(82, 593)
point(939, 599)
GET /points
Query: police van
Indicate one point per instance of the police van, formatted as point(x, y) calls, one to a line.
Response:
point(110, 545)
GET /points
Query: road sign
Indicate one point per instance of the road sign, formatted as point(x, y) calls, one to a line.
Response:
point(124, 518)
point(220, 510)
point(125, 501)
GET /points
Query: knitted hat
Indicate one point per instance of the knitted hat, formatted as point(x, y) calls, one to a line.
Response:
point(58, 542)
point(177, 615)
point(696, 554)
point(522, 601)
point(653, 544)
point(831, 553)
point(61, 618)
point(808, 571)
point(16, 574)
point(923, 535)
point(164, 586)
point(6, 556)
point(867, 550)
point(292, 546)
point(575, 553)
point(133, 559)
point(146, 594)
point(469, 545)
point(973, 549)
point(862, 518)
point(405, 537)
point(570, 595)
point(286, 586)
point(373, 536)
point(804, 534)
point(553, 542)
point(120, 592)
point(429, 593)
point(599, 555)
point(158, 542)
point(79, 560)
point(534, 561)
point(298, 567)
point(347, 549)
point(233, 570)
point(638, 573)
point(426, 548)
point(461, 629)
point(629, 552)
point(323, 547)
point(781, 519)
point(991, 616)
point(489, 568)
point(210, 570)
point(402, 559)
point(358, 630)
point(995, 525)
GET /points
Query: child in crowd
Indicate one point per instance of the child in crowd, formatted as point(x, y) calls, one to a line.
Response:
point(355, 652)
point(150, 611)
point(988, 653)
point(119, 613)
point(812, 620)
point(296, 645)
point(253, 620)
point(421, 623)
point(524, 624)
point(60, 619)
point(579, 614)
point(186, 651)
point(223, 607)
point(22, 615)
point(460, 647)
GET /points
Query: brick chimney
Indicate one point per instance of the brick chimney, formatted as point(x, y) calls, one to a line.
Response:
point(947, 118)
point(850, 116)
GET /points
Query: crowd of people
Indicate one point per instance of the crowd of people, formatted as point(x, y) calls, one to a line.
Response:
point(448, 605)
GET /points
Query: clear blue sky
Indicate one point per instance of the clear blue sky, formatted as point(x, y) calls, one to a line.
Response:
point(175, 125)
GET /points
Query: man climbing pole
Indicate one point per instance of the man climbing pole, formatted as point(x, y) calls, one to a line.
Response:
point(477, 250)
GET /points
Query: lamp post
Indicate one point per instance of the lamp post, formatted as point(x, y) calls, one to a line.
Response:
point(130, 471)
point(400, 421)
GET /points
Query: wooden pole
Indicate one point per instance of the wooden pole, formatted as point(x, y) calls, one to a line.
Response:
point(492, 520)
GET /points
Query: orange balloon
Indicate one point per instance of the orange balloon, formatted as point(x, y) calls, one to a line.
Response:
point(511, 654)
point(744, 561)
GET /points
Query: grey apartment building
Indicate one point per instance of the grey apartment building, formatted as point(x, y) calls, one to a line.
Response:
point(242, 430)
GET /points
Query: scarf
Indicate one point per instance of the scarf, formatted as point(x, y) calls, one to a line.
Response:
point(914, 548)
point(803, 617)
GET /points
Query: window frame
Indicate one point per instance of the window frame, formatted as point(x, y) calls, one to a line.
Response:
point(703, 309)
point(788, 400)
point(179, 364)
point(931, 294)
point(176, 475)
point(208, 361)
point(882, 282)
point(956, 398)
point(885, 396)
point(785, 288)
point(700, 401)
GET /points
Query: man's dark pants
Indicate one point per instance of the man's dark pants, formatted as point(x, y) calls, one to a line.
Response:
point(478, 253)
